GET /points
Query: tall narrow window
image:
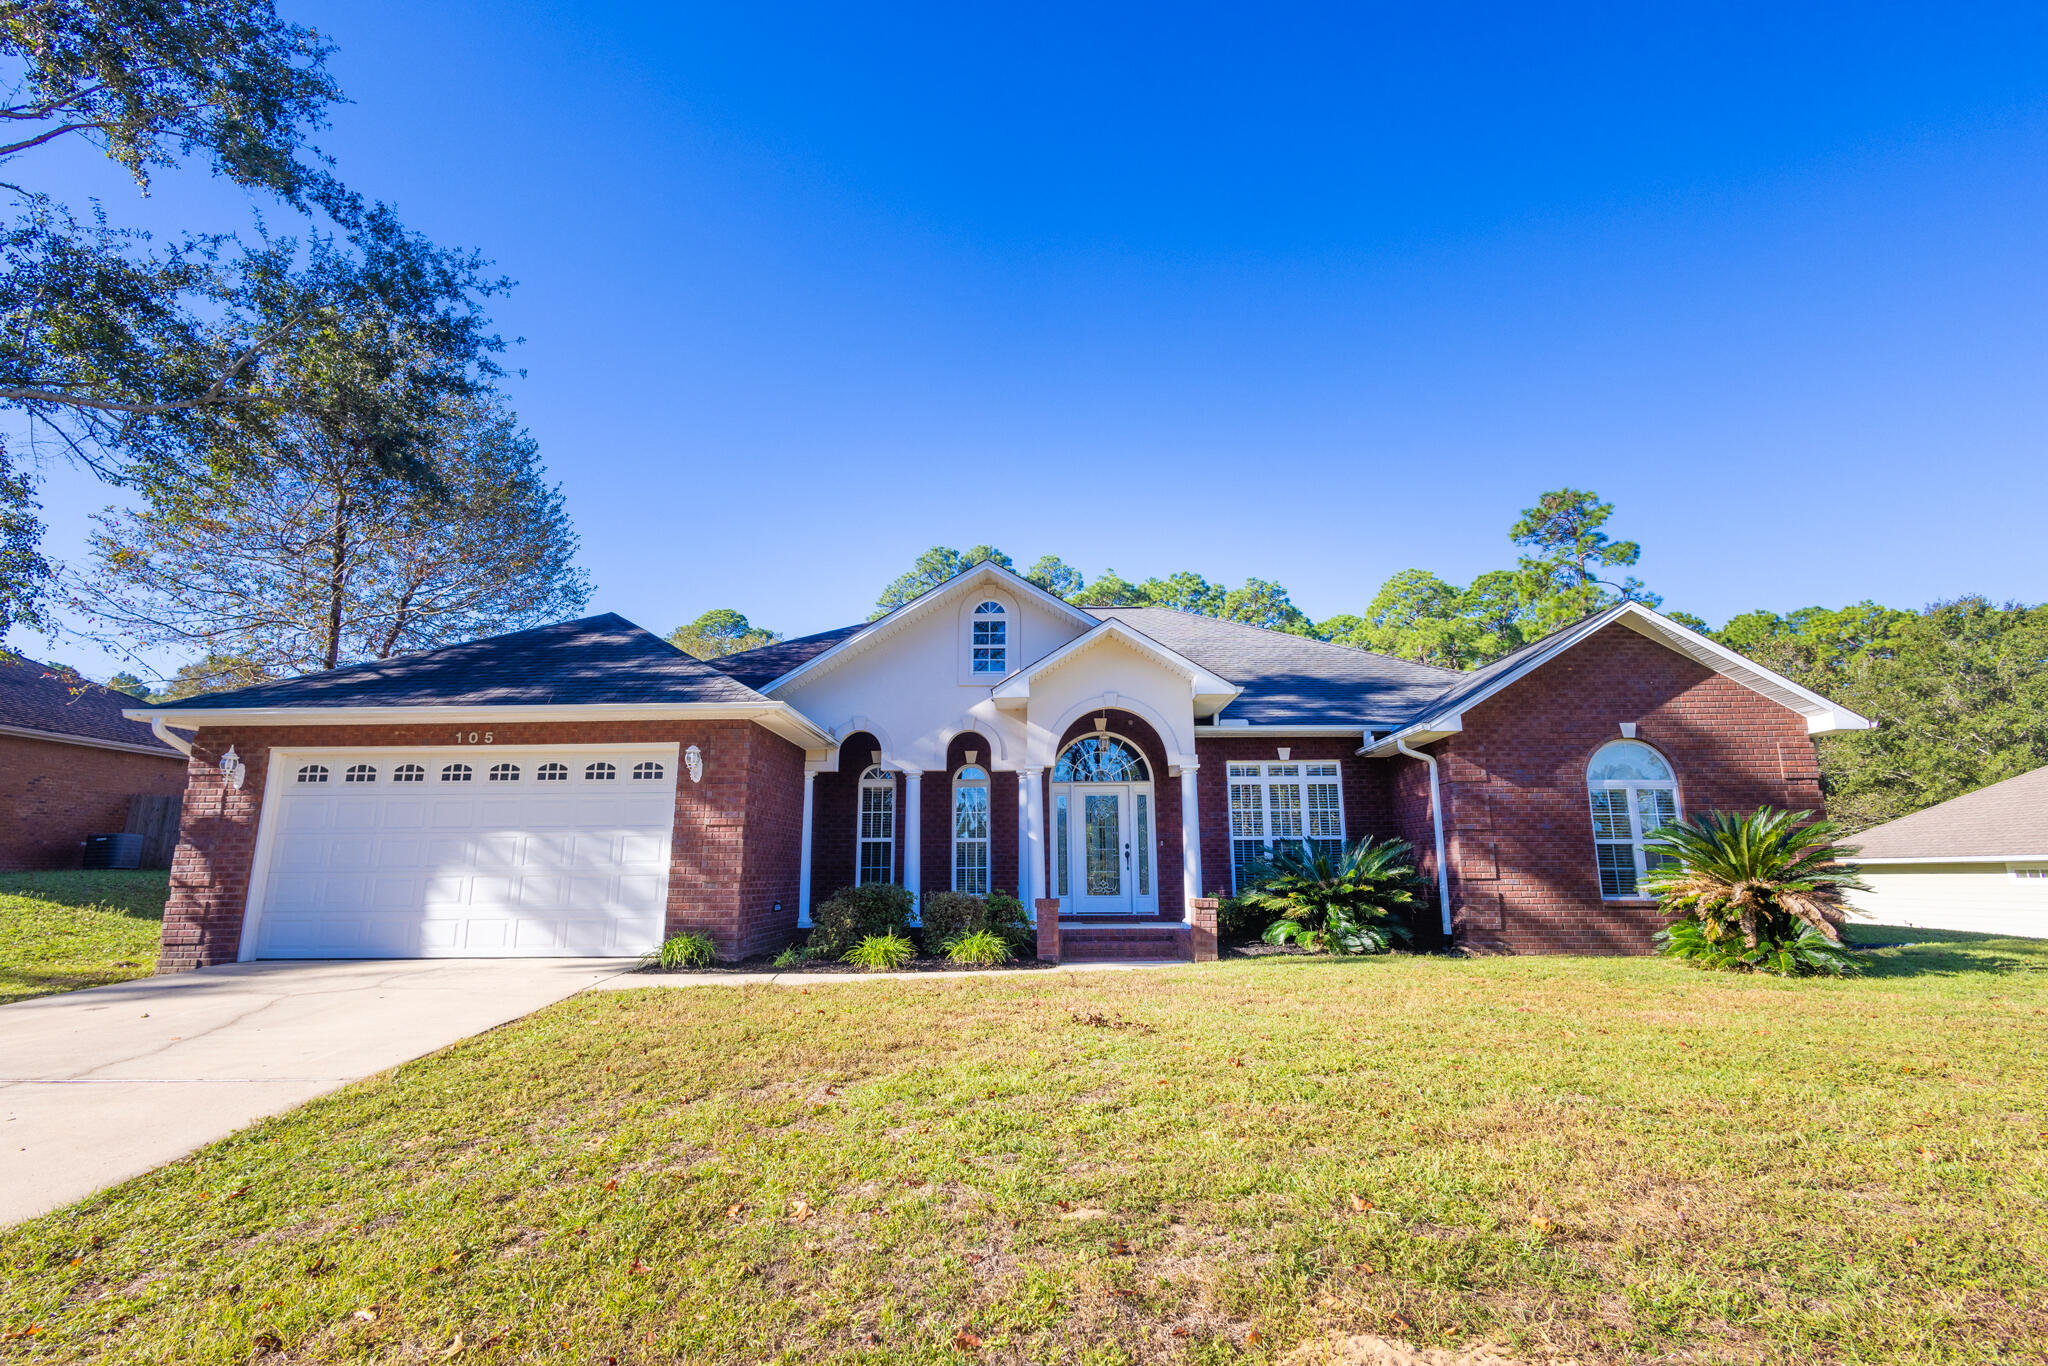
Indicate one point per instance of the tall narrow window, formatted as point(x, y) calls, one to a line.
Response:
point(991, 639)
point(1059, 843)
point(970, 830)
point(1143, 840)
point(877, 826)
point(1633, 794)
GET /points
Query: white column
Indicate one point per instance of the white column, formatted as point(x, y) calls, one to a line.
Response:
point(913, 818)
point(1190, 837)
point(803, 876)
point(1031, 848)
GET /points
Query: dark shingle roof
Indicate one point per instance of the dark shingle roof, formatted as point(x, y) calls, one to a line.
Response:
point(1292, 680)
point(2005, 820)
point(595, 661)
point(760, 667)
point(57, 702)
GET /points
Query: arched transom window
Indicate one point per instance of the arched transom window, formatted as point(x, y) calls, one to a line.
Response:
point(970, 830)
point(877, 826)
point(991, 638)
point(1634, 793)
point(1101, 758)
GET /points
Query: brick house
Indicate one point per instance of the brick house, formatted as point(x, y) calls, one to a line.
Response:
point(69, 764)
point(586, 789)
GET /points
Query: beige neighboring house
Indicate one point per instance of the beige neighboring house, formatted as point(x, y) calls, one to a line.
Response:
point(1977, 862)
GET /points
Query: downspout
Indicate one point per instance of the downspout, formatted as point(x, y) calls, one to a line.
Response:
point(163, 733)
point(1436, 818)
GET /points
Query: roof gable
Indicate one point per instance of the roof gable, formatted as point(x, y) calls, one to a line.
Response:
point(1203, 682)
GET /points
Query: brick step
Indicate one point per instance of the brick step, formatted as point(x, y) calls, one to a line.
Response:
point(1113, 943)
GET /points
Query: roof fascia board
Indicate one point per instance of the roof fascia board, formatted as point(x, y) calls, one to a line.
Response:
point(778, 717)
point(91, 741)
point(883, 627)
point(1999, 859)
point(1203, 682)
point(1281, 728)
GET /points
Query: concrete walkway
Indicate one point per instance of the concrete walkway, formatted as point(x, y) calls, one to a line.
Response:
point(97, 1086)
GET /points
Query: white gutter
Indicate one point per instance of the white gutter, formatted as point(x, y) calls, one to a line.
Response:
point(779, 717)
point(88, 741)
point(1436, 817)
point(163, 733)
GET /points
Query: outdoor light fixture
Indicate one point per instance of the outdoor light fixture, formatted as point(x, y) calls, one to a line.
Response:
point(232, 769)
point(693, 759)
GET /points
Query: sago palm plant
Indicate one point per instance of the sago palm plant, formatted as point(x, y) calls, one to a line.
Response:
point(1351, 902)
point(1760, 892)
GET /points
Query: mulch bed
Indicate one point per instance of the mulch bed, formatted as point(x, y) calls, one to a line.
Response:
point(761, 963)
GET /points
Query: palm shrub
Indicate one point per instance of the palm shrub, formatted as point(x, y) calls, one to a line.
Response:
point(855, 913)
point(1755, 893)
point(1350, 902)
point(880, 952)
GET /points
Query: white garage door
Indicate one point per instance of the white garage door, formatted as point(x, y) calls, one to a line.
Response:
point(476, 852)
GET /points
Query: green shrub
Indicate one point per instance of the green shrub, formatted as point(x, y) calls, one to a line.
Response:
point(1354, 902)
point(1239, 921)
point(880, 952)
point(1010, 918)
point(948, 915)
point(982, 948)
point(1755, 893)
point(857, 913)
point(796, 955)
point(686, 951)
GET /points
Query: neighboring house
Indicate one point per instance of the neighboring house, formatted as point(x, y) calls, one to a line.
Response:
point(1975, 862)
point(69, 764)
point(587, 789)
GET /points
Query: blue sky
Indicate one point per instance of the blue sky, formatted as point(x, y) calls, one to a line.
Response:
point(1312, 294)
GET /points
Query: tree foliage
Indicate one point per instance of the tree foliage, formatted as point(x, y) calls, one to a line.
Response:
point(720, 631)
point(933, 568)
point(323, 559)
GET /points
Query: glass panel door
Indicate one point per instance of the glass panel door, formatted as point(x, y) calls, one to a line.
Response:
point(1102, 829)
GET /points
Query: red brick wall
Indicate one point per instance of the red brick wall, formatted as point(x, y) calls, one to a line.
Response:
point(1166, 866)
point(1518, 826)
point(1368, 800)
point(52, 795)
point(733, 857)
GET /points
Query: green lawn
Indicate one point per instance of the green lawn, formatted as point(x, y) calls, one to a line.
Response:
point(1617, 1160)
point(63, 930)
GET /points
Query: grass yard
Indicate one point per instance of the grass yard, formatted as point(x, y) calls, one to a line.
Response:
point(1607, 1160)
point(63, 930)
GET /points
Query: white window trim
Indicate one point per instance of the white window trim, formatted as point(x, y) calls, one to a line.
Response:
point(1013, 630)
point(877, 779)
point(986, 841)
point(1632, 805)
point(1271, 775)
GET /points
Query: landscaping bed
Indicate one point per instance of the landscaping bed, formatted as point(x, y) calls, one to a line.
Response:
point(72, 928)
point(825, 967)
point(1609, 1161)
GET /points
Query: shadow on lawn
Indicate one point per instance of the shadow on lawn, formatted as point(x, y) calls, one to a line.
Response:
point(1897, 951)
point(137, 893)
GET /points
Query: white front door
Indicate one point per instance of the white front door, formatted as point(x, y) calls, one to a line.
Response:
point(472, 852)
point(1111, 856)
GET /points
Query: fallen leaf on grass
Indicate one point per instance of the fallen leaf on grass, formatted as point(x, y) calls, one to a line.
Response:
point(1360, 1204)
point(639, 1268)
point(13, 1333)
point(966, 1341)
point(1365, 1270)
point(454, 1348)
point(800, 1211)
point(1541, 1224)
point(612, 1184)
point(367, 1314)
point(266, 1341)
point(735, 1211)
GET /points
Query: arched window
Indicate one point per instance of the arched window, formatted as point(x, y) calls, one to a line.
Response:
point(877, 826)
point(970, 830)
point(552, 773)
point(1634, 794)
point(408, 773)
point(1101, 758)
point(991, 638)
point(647, 769)
point(504, 773)
point(313, 773)
point(599, 772)
point(455, 773)
point(360, 773)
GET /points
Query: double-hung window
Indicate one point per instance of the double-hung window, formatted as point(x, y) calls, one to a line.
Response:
point(970, 830)
point(1275, 804)
point(877, 826)
point(1633, 794)
point(991, 638)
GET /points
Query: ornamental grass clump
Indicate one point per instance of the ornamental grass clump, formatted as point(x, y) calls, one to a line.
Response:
point(1755, 893)
point(980, 948)
point(686, 951)
point(880, 953)
point(1353, 902)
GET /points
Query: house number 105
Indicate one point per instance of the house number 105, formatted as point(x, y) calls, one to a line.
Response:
point(471, 738)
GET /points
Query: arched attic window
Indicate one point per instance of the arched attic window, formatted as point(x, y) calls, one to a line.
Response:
point(1634, 793)
point(877, 853)
point(991, 641)
point(970, 830)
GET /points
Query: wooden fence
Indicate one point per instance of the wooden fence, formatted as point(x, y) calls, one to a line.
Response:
point(156, 820)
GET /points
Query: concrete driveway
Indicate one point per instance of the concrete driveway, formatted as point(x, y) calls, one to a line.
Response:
point(97, 1086)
